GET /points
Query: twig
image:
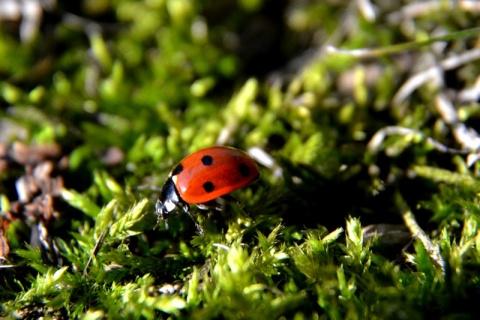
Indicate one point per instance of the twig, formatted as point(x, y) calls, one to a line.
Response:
point(467, 137)
point(432, 73)
point(417, 9)
point(95, 250)
point(378, 138)
point(367, 9)
point(366, 53)
point(416, 231)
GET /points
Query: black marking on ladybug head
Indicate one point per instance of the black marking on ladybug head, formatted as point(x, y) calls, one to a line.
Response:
point(169, 198)
point(177, 170)
point(208, 186)
point(244, 170)
point(207, 160)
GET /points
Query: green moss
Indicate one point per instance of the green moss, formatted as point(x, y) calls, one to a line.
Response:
point(347, 140)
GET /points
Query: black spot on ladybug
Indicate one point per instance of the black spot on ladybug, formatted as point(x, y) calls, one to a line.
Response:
point(207, 160)
point(177, 169)
point(244, 170)
point(208, 186)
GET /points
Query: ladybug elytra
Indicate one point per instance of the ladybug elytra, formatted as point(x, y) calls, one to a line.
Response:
point(204, 176)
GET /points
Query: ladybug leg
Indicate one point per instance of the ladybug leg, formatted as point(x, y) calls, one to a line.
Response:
point(186, 209)
point(209, 206)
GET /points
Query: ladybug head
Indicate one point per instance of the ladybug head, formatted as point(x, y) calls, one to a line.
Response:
point(169, 199)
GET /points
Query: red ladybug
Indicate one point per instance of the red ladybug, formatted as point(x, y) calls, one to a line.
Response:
point(204, 176)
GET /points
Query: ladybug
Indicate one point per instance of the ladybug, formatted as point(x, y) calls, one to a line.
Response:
point(204, 176)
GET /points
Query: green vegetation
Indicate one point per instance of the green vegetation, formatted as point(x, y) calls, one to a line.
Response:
point(362, 119)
